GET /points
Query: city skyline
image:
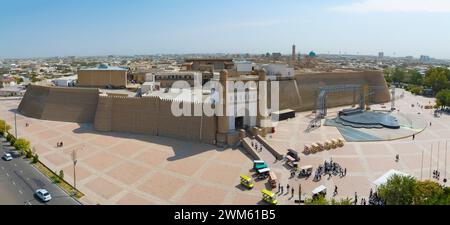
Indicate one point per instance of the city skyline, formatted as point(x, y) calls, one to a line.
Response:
point(47, 28)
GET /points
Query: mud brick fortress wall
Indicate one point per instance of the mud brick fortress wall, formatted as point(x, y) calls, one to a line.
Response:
point(310, 83)
point(60, 104)
point(153, 116)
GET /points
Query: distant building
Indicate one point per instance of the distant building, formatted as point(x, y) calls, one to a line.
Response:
point(12, 91)
point(425, 58)
point(381, 55)
point(167, 78)
point(276, 55)
point(103, 76)
point(277, 70)
point(213, 64)
point(7, 81)
point(243, 67)
point(65, 81)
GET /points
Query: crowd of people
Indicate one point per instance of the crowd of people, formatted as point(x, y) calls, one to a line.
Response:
point(329, 168)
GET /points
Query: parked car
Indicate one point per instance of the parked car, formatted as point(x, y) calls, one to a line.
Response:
point(43, 195)
point(15, 153)
point(7, 157)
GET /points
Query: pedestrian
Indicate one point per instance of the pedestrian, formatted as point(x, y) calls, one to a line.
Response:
point(397, 158)
point(335, 191)
point(371, 193)
point(356, 198)
point(279, 187)
point(282, 187)
point(292, 192)
point(430, 124)
point(414, 137)
point(287, 188)
point(345, 172)
point(253, 144)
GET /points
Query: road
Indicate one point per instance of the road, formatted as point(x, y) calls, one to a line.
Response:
point(19, 180)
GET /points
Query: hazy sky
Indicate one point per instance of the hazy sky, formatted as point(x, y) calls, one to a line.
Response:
point(35, 28)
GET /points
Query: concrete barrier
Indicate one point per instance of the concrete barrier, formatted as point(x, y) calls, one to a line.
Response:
point(247, 142)
point(271, 149)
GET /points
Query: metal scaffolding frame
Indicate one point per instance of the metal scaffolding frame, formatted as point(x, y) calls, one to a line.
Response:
point(365, 96)
point(321, 105)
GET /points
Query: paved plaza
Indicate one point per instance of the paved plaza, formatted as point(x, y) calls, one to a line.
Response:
point(367, 161)
point(116, 168)
point(120, 168)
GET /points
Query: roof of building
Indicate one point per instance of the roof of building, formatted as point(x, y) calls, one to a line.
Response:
point(106, 67)
point(209, 59)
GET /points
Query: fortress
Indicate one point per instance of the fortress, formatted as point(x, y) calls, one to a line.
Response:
point(152, 115)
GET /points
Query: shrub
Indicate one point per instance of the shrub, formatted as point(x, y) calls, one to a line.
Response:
point(10, 138)
point(61, 174)
point(22, 144)
point(55, 178)
point(2, 126)
point(35, 159)
point(29, 154)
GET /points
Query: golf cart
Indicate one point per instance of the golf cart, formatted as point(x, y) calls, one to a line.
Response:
point(319, 191)
point(305, 171)
point(246, 181)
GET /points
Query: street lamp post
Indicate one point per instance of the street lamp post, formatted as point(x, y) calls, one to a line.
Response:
point(431, 160)
point(439, 146)
point(421, 168)
point(74, 158)
point(15, 123)
point(445, 166)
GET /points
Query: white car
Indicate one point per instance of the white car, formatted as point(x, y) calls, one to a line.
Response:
point(44, 195)
point(7, 157)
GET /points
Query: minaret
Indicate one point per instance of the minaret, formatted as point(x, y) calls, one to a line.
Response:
point(294, 55)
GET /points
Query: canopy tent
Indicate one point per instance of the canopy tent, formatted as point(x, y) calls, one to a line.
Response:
point(383, 179)
point(319, 189)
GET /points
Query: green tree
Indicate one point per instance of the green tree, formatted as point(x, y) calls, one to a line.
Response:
point(399, 190)
point(437, 78)
point(346, 201)
point(416, 90)
point(61, 174)
point(398, 75)
point(443, 198)
point(19, 80)
point(415, 78)
point(321, 200)
point(22, 144)
point(443, 98)
point(427, 192)
point(4, 125)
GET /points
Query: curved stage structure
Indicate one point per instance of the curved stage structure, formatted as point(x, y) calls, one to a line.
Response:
point(367, 119)
point(359, 126)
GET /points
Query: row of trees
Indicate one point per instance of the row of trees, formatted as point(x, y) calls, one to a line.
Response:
point(406, 190)
point(20, 144)
point(437, 78)
point(443, 98)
